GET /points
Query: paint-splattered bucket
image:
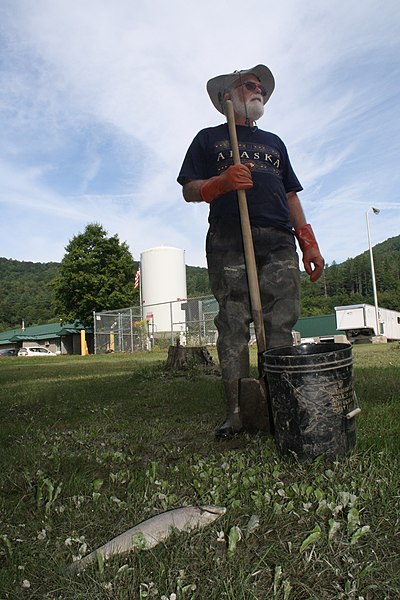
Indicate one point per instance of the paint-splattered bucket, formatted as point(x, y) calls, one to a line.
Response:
point(312, 397)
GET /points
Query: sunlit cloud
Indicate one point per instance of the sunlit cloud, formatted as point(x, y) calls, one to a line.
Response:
point(99, 102)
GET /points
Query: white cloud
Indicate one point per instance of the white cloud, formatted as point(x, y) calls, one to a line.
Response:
point(99, 102)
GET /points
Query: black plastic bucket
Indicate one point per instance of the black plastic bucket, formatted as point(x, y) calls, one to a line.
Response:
point(312, 397)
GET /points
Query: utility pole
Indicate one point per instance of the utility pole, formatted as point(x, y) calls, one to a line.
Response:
point(376, 211)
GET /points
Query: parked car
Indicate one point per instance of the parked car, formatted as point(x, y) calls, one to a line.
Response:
point(8, 352)
point(35, 351)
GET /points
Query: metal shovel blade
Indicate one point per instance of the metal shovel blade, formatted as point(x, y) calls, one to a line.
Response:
point(254, 406)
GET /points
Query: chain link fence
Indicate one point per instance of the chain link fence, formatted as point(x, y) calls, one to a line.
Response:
point(190, 321)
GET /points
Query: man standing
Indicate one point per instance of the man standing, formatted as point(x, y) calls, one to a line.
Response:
point(276, 217)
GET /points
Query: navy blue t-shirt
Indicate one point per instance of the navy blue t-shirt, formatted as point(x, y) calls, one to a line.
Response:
point(273, 177)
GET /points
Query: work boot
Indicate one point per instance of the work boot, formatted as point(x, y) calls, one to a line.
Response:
point(233, 424)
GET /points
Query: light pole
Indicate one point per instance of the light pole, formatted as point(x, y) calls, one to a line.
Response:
point(376, 211)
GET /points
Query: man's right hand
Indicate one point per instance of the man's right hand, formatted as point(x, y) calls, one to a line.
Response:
point(235, 177)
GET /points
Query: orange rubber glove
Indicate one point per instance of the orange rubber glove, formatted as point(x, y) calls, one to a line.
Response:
point(311, 254)
point(236, 177)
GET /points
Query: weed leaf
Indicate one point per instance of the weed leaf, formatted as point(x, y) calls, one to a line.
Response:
point(353, 520)
point(359, 533)
point(234, 536)
point(312, 538)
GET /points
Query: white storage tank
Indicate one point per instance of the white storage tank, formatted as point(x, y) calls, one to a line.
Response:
point(163, 291)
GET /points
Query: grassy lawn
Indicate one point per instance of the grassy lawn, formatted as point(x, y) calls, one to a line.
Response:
point(91, 446)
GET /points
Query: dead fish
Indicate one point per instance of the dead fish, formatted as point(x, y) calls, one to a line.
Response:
point(152, 531)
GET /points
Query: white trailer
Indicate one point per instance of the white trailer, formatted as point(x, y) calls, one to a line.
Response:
point(359, 322)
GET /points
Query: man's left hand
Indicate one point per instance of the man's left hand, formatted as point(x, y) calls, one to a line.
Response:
point(312, 258)
point(313, 263)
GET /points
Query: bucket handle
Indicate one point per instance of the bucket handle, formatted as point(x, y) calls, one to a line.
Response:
point(356, 411)
point(353, 413)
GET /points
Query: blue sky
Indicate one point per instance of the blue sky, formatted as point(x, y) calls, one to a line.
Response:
point(99, 101)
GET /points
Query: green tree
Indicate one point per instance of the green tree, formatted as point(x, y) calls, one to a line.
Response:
point(197, 282)
point(96, 274)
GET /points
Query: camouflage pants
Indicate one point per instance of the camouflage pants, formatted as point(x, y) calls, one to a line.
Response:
point(279, 281)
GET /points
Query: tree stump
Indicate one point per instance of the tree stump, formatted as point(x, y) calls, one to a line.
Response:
point(185, 357)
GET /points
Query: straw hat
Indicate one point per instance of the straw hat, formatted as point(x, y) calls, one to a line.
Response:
point(218, 85)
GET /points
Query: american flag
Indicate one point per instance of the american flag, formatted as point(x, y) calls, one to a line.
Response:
point(137, 278)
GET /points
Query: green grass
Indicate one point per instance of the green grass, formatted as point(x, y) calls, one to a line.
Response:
point(90, 446)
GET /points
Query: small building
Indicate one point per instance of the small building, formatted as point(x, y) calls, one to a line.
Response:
point(321, 328)
point(61, 338)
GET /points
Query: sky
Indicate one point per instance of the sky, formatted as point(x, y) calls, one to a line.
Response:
point(100, 100)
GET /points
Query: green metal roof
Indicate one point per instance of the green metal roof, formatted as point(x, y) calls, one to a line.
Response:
point(210, 305)
point(39, 332)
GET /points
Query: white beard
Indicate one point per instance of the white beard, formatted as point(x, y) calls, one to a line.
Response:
point(252, 109)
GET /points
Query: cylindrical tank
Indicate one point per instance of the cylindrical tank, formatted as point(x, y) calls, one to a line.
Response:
point(163, 281)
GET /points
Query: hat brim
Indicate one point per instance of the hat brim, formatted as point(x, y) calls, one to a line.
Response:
point(217, 86)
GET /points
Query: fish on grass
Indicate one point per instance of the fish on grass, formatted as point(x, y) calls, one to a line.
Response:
point(151, 532)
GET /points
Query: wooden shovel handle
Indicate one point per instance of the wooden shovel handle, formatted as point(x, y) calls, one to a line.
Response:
point(254, 288)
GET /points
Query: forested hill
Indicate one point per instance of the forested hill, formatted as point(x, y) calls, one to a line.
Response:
point(26, 291)
point(350, 282)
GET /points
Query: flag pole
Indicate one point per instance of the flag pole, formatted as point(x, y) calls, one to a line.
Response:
point(140, 293)
point(138, 283)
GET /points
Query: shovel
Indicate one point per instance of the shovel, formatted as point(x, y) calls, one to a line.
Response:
point(254, 401)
